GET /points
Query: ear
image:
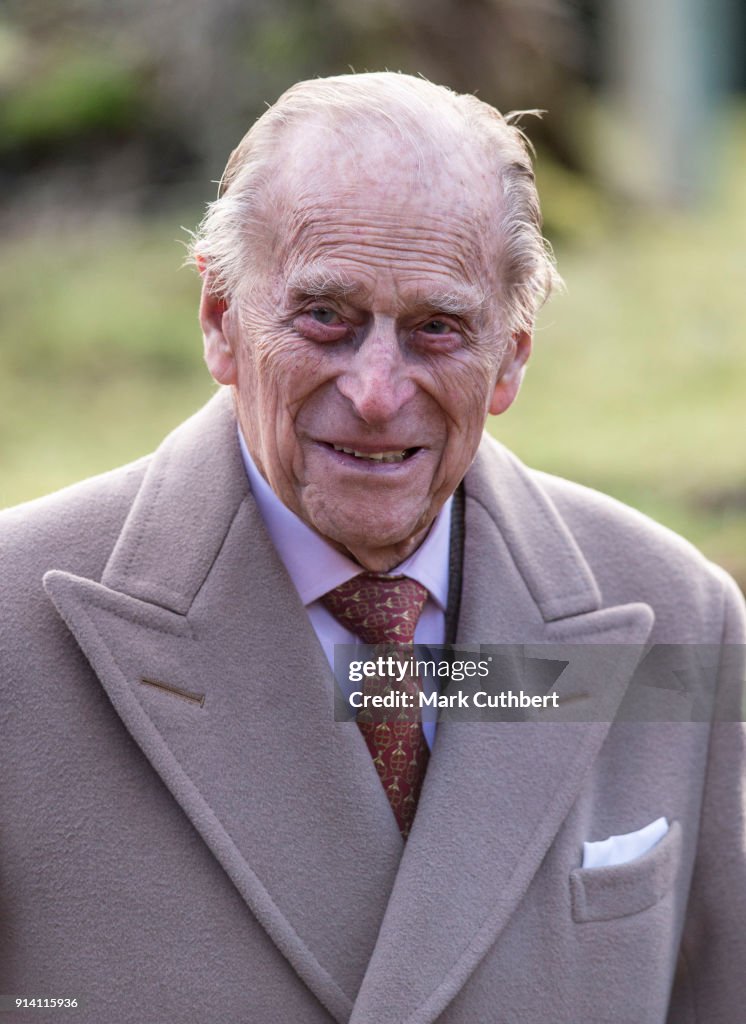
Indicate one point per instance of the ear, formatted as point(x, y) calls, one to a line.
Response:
point(511, 372)
point(219, 356)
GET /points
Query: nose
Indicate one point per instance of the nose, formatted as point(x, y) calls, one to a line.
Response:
point(377, 379)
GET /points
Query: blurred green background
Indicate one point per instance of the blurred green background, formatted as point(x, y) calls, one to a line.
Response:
point(116, 119)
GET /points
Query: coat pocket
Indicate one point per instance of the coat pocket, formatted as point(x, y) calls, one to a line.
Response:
point(602, 894)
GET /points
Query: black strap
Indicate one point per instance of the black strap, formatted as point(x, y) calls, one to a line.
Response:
point(455, 565)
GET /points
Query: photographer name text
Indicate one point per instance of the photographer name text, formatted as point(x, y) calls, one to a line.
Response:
point(478, 699)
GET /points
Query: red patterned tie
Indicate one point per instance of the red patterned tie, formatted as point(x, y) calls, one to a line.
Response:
point(383, 610)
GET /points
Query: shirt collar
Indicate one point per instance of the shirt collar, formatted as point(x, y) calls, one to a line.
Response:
point(316, 567)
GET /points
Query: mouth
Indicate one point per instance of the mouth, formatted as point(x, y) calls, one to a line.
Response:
point(385, 456)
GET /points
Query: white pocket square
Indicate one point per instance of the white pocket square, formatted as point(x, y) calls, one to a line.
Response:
point(621, 849)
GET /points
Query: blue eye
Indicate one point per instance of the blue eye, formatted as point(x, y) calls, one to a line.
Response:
point(436, 327)
point(323, 315)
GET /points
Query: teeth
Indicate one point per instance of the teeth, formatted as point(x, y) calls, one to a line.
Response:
point(372, 456)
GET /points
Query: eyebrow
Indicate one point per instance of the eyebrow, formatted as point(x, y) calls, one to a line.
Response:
point(460, 300)
point(319, 280)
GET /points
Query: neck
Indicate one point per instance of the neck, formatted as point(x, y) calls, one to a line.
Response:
point(384, 558)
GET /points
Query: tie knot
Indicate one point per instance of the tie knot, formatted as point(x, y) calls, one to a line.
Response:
point(377, 608)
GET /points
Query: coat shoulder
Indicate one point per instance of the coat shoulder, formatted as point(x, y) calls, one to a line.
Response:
point(636, 558)
point(73, 529)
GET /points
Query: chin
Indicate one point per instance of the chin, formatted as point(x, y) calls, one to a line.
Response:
point(359, 532)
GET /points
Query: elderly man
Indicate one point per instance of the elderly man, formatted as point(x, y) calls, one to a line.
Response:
point(188, 834)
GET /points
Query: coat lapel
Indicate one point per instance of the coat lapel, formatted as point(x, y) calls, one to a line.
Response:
point(236, 716)
point(495, 795)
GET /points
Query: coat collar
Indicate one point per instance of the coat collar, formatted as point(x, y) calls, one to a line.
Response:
point(178, 521)
point(194, 596)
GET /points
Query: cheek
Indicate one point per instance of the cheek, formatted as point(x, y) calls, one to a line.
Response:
point(462, 387)
point(279, 375)
point(278, 370)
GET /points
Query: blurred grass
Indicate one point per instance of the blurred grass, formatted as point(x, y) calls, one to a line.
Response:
point(79, 94)
point(99, 353)
point(639, 372)
point(636, 386)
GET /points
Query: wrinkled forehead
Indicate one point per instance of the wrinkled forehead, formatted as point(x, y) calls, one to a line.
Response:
point(433, 194)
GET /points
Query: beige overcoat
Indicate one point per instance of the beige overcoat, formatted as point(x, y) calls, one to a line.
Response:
point(219, 849)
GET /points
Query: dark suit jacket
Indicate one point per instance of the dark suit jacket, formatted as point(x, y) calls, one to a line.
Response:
point(226, 853)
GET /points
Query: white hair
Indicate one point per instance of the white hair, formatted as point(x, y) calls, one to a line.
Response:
point(234, 225)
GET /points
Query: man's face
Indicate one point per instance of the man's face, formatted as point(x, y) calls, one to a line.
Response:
point(371, 348)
